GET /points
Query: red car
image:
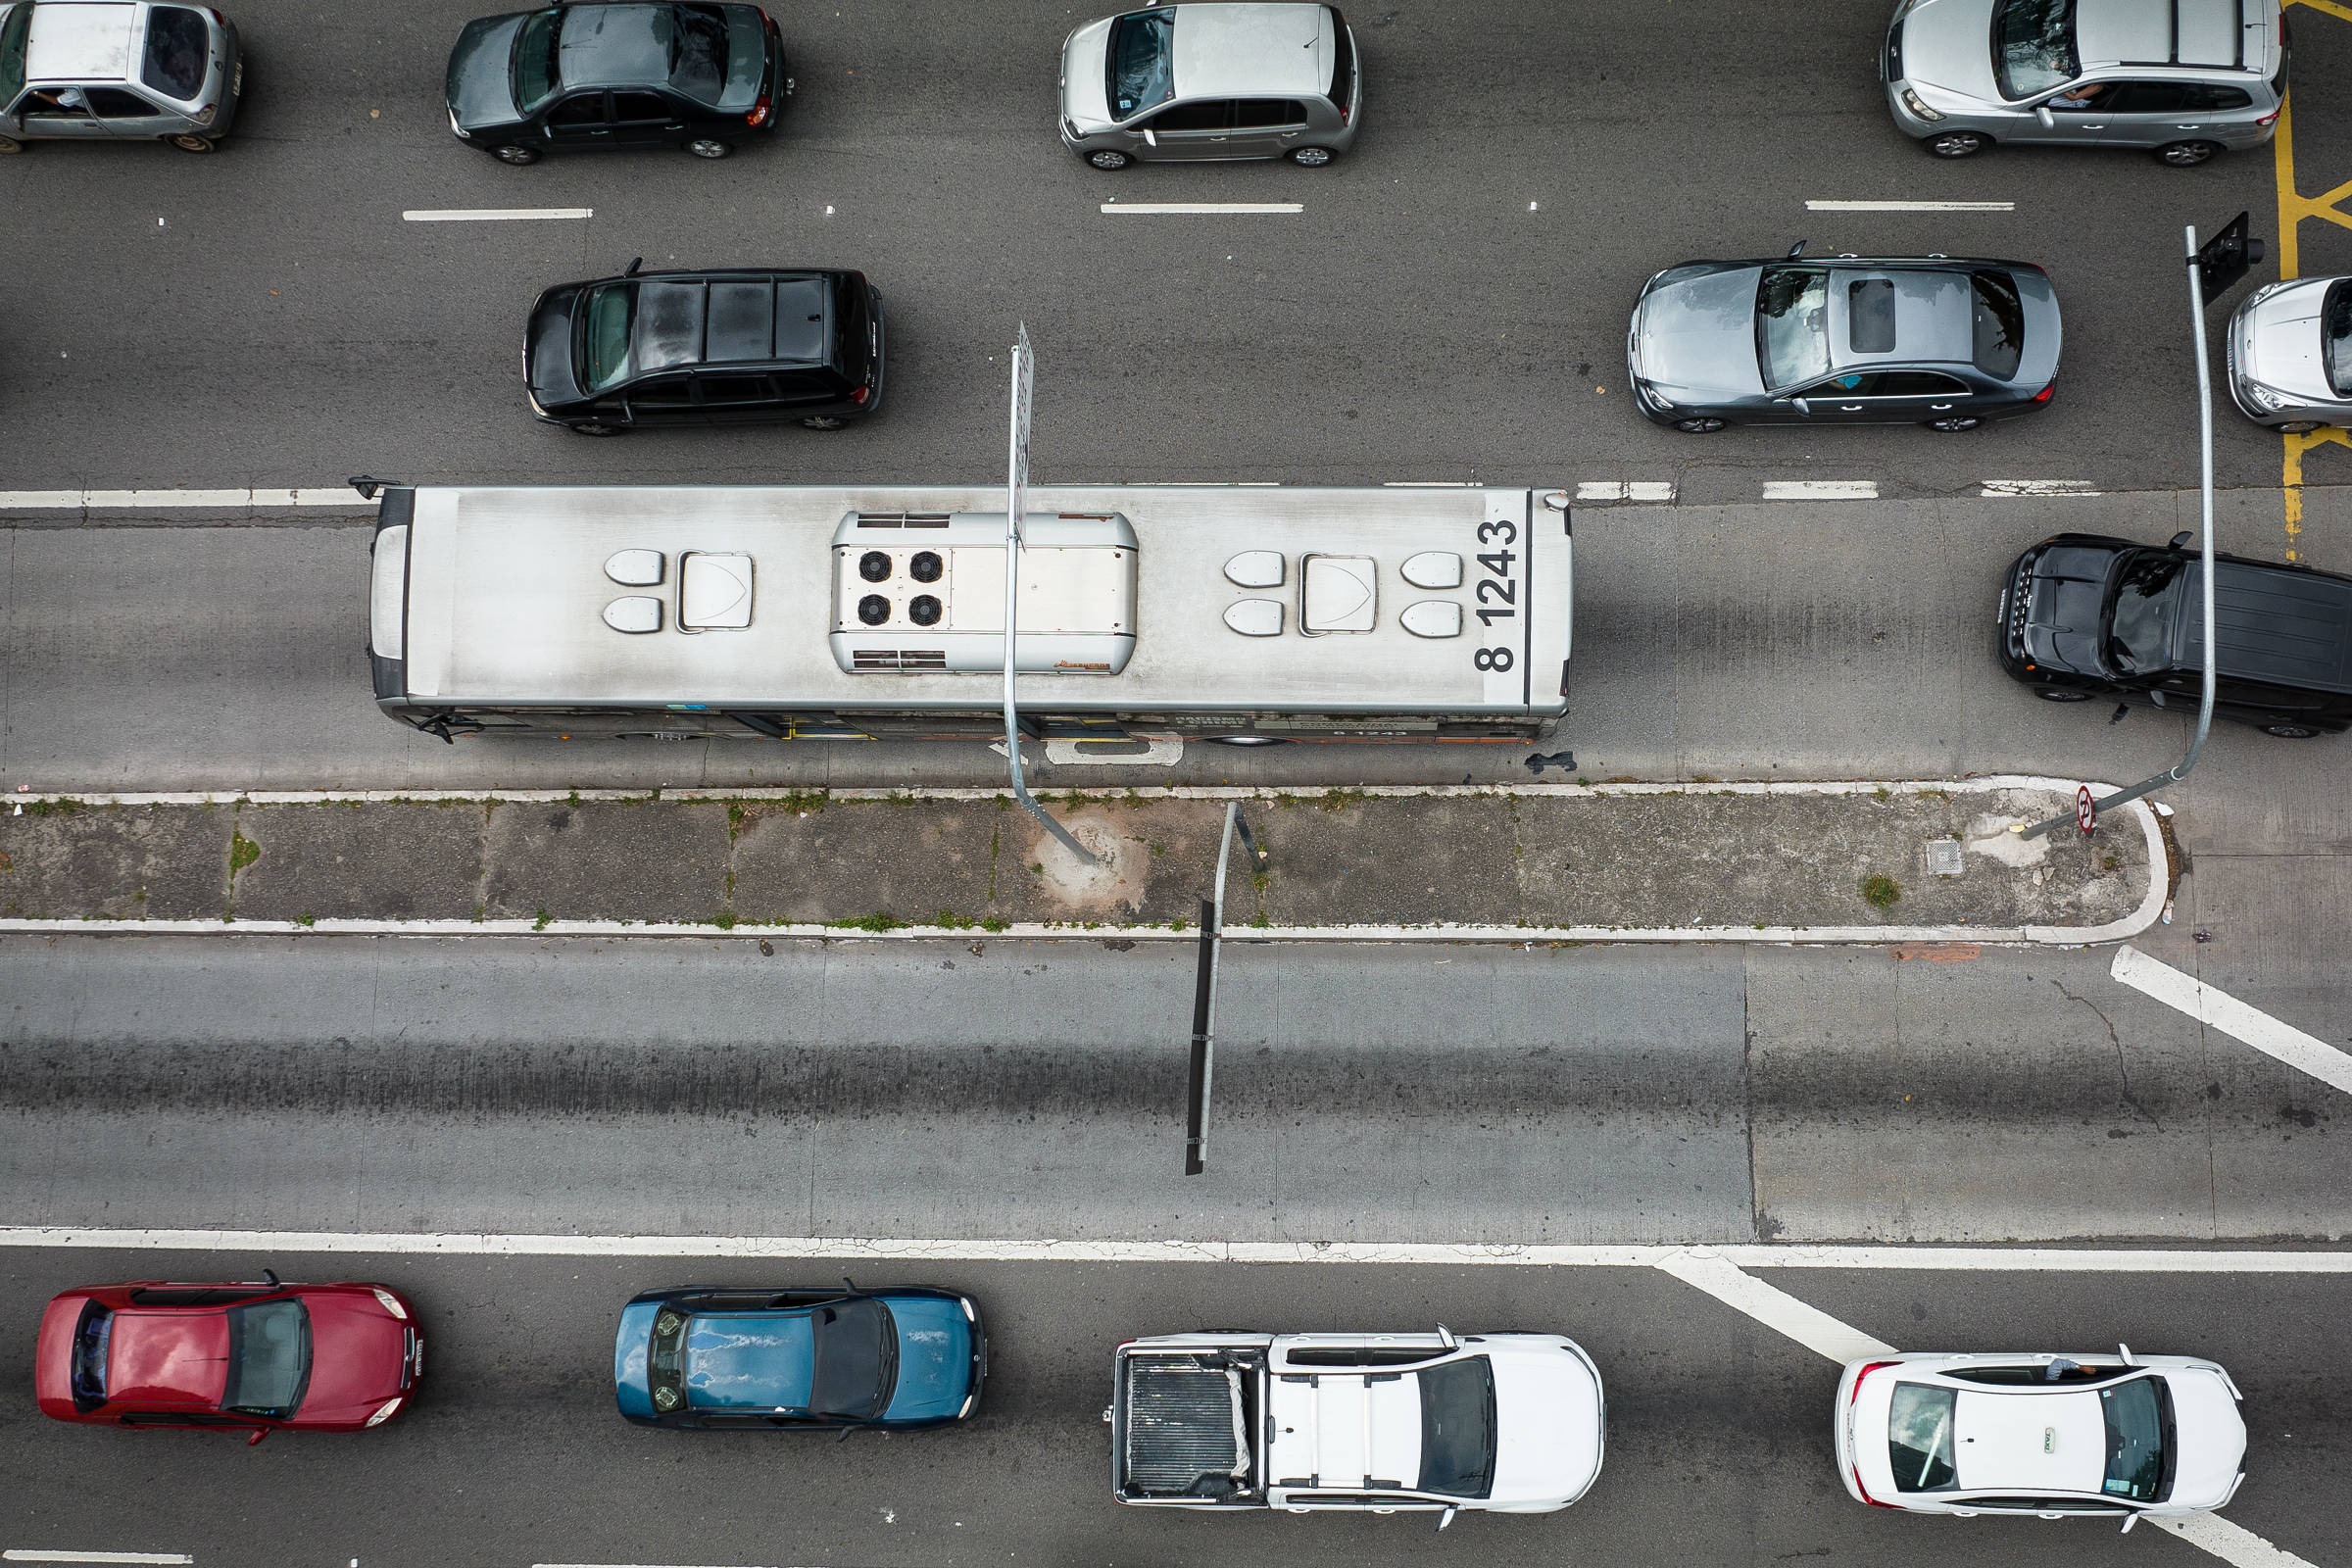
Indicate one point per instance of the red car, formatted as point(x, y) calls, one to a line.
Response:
point(250, 1356)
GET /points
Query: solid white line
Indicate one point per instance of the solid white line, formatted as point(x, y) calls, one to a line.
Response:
point(1910, 207)
point(491, 215)
point(1429, 484)
point(1173, 209)
point(1624, 490)
point(15, 1555)
point(1821, 490)
point(218, 500)
point(2037, 487)
point(2233, 1544)
point(2266, 1034)
point(1771, 1306)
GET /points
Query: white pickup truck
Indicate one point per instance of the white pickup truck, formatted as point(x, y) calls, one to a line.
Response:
point(1376, 1423)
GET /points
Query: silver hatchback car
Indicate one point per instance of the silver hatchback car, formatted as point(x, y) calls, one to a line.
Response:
point(2183, 79)
point(1212, 81)
point(2290, 354)
point(116, 71)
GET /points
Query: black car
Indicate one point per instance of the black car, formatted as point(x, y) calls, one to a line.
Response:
point(595, 73)
point(2084, 615)
point(748, 347)
point(1941, 341)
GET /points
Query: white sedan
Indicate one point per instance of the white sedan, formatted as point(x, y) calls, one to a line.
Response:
point(2054, 1436)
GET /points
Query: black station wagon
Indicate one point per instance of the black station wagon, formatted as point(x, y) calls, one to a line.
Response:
point(739, 347)
point(597, 74)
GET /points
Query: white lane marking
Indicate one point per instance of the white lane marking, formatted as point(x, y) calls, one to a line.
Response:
point(339, 495)
point(1624, 490)
point(1771, 1306)
point(2035, 1259)
point(1202, 484)
point(1821, 490)
point(14, 1554)
point(2266, 1034)
point(1910, 207)
point(2233, 1544)
point(2037, 487)
point(1428, 484)
point(491, 215)
point(1178, 208)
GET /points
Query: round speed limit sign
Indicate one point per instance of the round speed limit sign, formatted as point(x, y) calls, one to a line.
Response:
point(2085, 814)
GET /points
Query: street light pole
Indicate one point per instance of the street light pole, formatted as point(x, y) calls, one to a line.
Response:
point(2179, 770)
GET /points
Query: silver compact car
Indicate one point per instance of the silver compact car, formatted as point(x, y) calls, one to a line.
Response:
point(2048, 1437)
point(116, 71)
point(1212, 81)
point(1940, 341)
point(2183, 79)
point(2290, 354)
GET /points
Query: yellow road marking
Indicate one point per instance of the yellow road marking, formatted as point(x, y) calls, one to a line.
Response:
point(2293, 209)
point(2332, 7)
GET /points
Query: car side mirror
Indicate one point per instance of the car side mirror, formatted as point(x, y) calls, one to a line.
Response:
point(845, 1434)
point(1150, 140)
point(1446, 1517)
point(1445, 1337)
point(2124, 1352)
point(2181, 540)
point(630, 271)
point(2130, 1520)
point(259, 1432)
point(270, 1275)
point(2041, 112)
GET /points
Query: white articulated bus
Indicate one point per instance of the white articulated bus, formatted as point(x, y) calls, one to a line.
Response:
point(1243, 615)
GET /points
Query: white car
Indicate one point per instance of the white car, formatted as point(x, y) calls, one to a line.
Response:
point(2290, 354)
point(2056, 1437)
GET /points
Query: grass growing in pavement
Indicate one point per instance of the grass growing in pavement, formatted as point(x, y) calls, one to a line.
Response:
point(1881, 891)
point(242, 852)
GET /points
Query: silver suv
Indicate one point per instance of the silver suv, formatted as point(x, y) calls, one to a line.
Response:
point(2184, 79)
point(1212, 81)
point(116, 71)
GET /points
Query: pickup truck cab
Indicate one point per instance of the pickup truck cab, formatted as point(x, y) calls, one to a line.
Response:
point(1365, 1423)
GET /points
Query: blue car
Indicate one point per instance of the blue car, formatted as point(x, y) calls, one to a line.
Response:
point(707, 1356)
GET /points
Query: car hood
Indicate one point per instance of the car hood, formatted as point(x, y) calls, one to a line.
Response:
point(935, 1359)
point(1085, 87)
point(160, 1357)
point(1949, 44)
point(479, 90)
point(1696, 335)
point(547, 363)
point(358, 1353)
point(2064, 589)
point(1547, 1426)
point(2209, 1435)
point(2279, 341)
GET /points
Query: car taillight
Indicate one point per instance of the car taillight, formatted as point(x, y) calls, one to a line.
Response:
point(759, 115)
point(858, 395)
point(1855, 1393)
point(2270, 118)
point(2043, 396)
point(1866, 1496)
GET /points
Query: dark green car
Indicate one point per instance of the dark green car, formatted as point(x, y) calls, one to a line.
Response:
point(601, 73)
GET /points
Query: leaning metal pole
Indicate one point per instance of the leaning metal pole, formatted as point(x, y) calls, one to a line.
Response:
point(1017, 486)
point(2179, 770)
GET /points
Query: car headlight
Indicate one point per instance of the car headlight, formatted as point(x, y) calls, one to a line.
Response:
point(971, 1313)
point(1919, 106)
point(967, 1405)
point(391, 1302)
point(458, 131)
point(2268, 399)
point(386, 1412)
point(1651, 395)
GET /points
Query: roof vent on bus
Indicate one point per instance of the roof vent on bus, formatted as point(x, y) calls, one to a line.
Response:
point(926, 566)
point(714, 591)
point(1255, 617)
point(901, 519)
point(1434, 569)
point(635, 614)
point(1337, 592)
point(1255, 568)
point(1433, 617)
point(634, 569)
point(873, 566)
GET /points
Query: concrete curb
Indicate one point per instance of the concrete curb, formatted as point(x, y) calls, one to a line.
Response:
point(2150, 906)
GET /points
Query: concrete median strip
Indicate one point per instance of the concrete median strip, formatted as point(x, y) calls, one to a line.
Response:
point(1905, 863)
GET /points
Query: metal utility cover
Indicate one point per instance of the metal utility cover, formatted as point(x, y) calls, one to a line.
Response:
point(1943, 858)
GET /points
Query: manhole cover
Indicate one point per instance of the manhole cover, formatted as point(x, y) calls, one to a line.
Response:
point(1943, 858)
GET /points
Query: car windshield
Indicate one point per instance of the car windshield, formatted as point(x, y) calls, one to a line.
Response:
point(535, 47)
point(1999, 323)
point(268, 1358)
point(2335, 336)
point(610, 318)
point(2033, 46)
point(1918, 1436)
point(1793, 323)
point(1457, 1428)
point(1143, 62)
point(698, 53)
point(2138, 1419)
point(2139, 625)
point(857, 1359)
point(89, 1356)
point(12, 33)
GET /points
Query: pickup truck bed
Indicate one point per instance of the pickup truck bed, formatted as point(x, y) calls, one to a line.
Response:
point(1186, 1423)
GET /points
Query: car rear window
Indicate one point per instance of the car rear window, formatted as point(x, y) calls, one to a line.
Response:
point(1143, 60)
point(176, 47)
point(1343, 62)
point(1792, 331)
point(268, 1358)
point(1918, 1436)
point(2033, 46)
point(2335, 336)
point(1998, 323)
point(12, 33)
point(698, 53)
point(88, 1372)
point(611, 318)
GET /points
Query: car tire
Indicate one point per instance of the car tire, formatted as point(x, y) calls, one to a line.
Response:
point(10, 144)
point(593, 427)
point(1109, 159)
point(709, 147)
point(1311, 156)
point(2297, 427)
point(823, 421)
point(1957, 422)
point(2185, 154)
point(190, 142)
point(2061, 694)
point(515, 154)
point(1702, 424)
point(2291, 732)
point(1959, 143)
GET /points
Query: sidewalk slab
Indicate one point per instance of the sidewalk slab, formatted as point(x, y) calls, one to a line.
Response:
point(343, 860)
point(64, 861)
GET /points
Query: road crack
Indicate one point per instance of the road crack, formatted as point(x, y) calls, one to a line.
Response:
point(2122, 1071)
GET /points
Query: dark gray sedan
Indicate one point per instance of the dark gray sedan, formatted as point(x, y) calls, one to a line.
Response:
point(1940, 341)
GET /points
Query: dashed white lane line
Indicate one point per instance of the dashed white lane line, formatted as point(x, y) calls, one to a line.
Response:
point(1909, 207)
point(2233, 1544)
point(1204, 208)
point(1821, 489)
point(1774, 1307)
point(2037, 487)
point(340, 495)
point(1624, 490)
point(14, 1554)
point(2266, 1034)
point(492, 215)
